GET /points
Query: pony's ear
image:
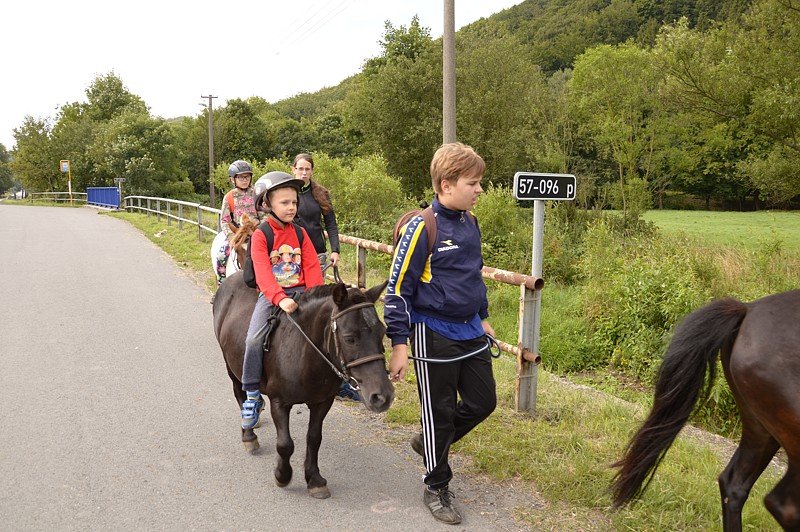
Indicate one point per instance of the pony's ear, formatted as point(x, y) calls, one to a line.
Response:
point(374, 293)
point(340, 294)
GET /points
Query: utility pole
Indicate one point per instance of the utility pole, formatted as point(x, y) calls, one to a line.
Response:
point(449, 73)
point(211, 199)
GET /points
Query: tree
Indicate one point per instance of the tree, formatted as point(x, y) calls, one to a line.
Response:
point(614, 91)
point(141, 149)
point(397, 111)
point(191, 142)
point(6, 176)
point(34, 164)
point(108, 98)
point(400, 42)
point(742, 77)
point(498, 93)
point(71, 138)
point(242, 130)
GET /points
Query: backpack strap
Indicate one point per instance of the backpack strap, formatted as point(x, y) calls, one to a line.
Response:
point(429, 218)
point(270, 236)
point(229, 198)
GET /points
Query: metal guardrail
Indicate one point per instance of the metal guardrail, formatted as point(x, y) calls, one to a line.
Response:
point(153, 206)
point(58, 197)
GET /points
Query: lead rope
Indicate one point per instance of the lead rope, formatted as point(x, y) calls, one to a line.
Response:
point(491, 342)
point(336, 277)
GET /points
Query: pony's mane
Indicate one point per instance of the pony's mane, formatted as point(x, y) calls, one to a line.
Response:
point(318, 295)
point(325, 290)
point(248, 227)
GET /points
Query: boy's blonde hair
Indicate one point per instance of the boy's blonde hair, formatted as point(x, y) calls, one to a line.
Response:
point(452, 161)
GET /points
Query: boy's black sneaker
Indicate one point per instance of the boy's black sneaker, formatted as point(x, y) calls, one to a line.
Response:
point(440, 505)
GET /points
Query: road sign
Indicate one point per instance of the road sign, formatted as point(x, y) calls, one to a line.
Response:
point(539, 186)
point(119, 179)
point(65, 166)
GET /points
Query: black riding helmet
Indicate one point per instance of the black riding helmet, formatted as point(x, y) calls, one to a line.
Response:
point(273, 181)
point(240, 167)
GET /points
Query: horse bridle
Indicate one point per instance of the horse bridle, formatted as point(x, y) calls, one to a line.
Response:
point(342, 372)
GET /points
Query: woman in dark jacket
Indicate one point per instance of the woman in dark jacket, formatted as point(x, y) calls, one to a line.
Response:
point(314, 208)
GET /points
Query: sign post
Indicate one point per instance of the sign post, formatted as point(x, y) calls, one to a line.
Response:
point(119, 181)
point(537, 187)
point(65, 170)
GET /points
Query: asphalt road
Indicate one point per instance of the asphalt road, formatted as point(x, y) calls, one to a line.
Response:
point(116, 412)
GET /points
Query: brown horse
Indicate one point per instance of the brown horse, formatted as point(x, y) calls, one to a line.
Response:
point(334, 334)
point(241, 239)
point(759, 346)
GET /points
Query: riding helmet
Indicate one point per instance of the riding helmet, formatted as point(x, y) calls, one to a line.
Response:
point(239, 167)
point(273, 181)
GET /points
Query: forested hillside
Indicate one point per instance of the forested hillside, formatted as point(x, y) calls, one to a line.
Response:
point(644, 101)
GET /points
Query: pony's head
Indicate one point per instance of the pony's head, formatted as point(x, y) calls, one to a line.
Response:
point(241, 237)
point(355, 338)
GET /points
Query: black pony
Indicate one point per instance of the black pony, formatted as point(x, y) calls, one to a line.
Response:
point(335, 333)
point(759, 345)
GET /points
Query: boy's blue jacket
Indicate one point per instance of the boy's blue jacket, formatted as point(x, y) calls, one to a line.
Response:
point(448, 287)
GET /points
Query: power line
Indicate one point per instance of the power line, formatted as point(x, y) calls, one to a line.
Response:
point(325, 19)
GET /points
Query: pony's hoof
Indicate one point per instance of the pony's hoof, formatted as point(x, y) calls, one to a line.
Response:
point(280, 484)
point(251, 446)
point(320, 492)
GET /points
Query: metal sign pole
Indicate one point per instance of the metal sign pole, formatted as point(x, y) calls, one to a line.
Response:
point(528, 371)
point(537, 187)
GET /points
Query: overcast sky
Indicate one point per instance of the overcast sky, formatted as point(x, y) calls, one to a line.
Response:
point(170, 52)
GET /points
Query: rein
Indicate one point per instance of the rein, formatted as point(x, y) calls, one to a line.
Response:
point(341, 372)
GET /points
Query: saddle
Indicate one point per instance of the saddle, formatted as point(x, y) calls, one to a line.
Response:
point(272, 319)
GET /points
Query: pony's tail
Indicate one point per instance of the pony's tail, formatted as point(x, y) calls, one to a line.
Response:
point(691, 353)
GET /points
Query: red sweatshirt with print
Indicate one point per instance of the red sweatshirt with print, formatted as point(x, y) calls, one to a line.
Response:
point(286, 265)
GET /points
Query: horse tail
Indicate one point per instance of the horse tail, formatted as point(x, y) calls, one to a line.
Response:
point(691, 354)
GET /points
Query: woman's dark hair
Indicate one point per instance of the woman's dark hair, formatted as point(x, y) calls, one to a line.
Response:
point(320, 193)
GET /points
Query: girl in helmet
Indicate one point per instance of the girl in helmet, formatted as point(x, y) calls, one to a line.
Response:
point(240, 200)
point(277, 193)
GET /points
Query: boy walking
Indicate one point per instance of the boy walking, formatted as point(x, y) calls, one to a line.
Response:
point(438, 301)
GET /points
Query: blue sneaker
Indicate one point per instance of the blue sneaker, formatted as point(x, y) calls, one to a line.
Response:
point(251, 409)
point(346, 391)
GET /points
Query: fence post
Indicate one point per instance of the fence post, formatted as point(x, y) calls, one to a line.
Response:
point(149, 208)
point(199, 224)
point(180, 216)
point(169, 217)
point(361, 262)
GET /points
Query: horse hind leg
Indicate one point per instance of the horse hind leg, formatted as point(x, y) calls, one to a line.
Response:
point(783, 502)
point(316, 484)
point(756, 449)
point(283, 443)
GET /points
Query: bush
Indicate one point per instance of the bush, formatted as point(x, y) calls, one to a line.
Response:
point(506, 230)
point(637, 291)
